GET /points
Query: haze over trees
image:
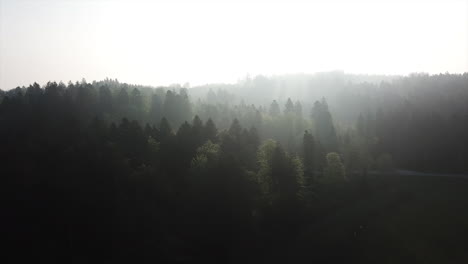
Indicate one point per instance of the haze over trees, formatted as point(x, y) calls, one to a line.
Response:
point(110, 171)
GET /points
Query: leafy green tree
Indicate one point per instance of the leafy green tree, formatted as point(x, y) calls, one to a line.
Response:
point(206, 156)
point(264, 158)
point(280, 176)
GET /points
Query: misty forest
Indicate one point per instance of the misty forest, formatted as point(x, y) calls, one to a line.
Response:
point(300, 168)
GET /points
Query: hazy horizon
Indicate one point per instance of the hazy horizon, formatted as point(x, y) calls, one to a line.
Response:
point(162, 42)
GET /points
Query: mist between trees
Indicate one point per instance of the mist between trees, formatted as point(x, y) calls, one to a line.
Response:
point(179, 173)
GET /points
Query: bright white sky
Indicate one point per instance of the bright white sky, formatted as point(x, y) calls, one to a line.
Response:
point(164, 42)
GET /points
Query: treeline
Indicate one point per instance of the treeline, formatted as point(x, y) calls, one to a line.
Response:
point(419, 122)
point(121, 171)
point(80, 185)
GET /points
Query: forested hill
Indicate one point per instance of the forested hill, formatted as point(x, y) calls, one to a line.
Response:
point(112, 172)
point(418, 121)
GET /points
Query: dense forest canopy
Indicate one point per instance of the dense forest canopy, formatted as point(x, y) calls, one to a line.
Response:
point(213, 171)
point(417, 119)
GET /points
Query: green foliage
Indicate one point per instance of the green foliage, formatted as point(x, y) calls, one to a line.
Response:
point(280, 176)
point(206, 154)
point(153, 145)
point(93, 159)
point(264, 158)
point(335, 170)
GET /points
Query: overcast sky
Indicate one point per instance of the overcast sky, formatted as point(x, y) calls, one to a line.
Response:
point(165, 42)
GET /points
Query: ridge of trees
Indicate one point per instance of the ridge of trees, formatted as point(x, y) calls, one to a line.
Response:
point(196, 174)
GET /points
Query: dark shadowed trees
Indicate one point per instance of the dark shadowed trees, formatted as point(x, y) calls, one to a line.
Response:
point(323, 123)
point(274, 109)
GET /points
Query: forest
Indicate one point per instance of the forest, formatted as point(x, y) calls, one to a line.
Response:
point(304, 168)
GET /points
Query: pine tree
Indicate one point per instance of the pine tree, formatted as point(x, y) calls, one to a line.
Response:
point(274, 109)
point(165, 128)
point(210, 131)
point(334, 171)
point(137, 100)
point(289, 107)
point(105, 99)
point(309, 168)
point(309, 153)
point(324, 127)
point(235, 130)
point(197, 130)
point(155, 109)
point(298, 109)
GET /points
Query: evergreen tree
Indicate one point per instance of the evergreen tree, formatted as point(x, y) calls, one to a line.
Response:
point(165, 128)
point(197, 130)
point(185, 112)
point(136, 100)
point(155, 113)
point(210, 131)
point(235, 130)
point(284, 176)
point(309, 167)
point(289, 107)
point(274, 109)
point(123, 102)
point(33, 95)
point(309, 153)
point(325, 130)
point(334, 171)
point(105, 99)
point(298, 109)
